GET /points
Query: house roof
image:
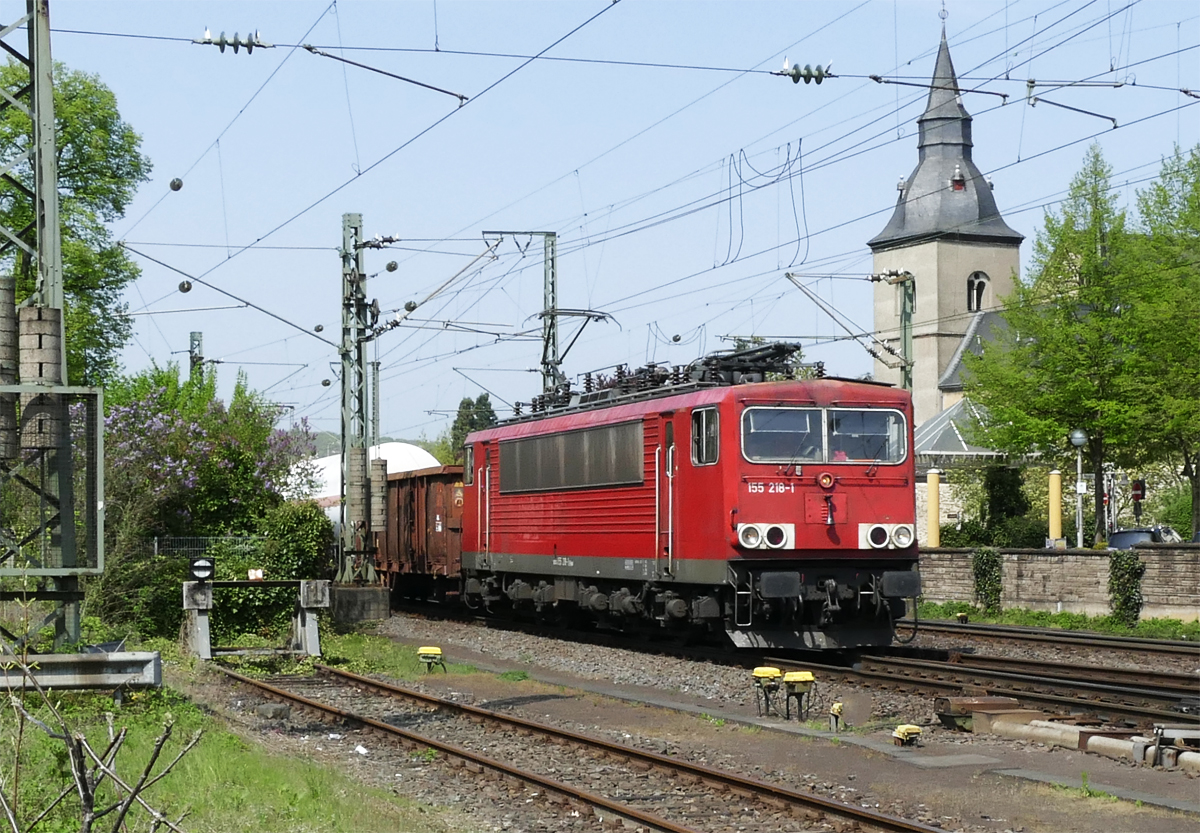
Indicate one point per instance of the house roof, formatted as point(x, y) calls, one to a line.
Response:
point(984, 326)
point(943, 440)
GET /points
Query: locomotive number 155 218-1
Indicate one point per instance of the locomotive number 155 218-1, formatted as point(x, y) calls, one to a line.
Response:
point(756, 488)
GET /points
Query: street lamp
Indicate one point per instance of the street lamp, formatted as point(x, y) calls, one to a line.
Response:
point(1079, 439)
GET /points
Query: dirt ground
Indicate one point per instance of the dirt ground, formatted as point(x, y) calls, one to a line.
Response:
point(977, 794)
point(946, 789)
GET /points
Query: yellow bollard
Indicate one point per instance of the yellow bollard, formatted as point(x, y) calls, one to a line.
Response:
point(1055, 505)
point(933, 535)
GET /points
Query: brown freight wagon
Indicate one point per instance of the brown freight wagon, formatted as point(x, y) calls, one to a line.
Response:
point(421, 550)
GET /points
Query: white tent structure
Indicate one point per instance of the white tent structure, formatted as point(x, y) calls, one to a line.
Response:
point(400, 457)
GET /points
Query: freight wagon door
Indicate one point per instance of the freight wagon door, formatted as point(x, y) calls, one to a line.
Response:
point(664, 490)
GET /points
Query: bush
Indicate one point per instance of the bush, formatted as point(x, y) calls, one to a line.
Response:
point(295, 544)
point(970, 533)
point(1125, 571)
point(1019, 532)
point(985, 568)
point(1174, 508)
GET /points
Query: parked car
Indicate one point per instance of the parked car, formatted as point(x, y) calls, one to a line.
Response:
point(1124, 539)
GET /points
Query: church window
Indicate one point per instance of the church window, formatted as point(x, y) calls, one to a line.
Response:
point(976, 285)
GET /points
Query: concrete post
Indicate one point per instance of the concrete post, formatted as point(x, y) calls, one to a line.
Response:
point(314, 596)
point(1055, 505)
point(197, 602)
point(933, 534)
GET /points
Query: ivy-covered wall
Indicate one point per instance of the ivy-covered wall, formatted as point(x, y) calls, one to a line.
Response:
point(1075, 581)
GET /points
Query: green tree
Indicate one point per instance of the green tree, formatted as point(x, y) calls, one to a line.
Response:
point(1063, 359)
point(472, 416)
point(1165, 319)
point(99, 168)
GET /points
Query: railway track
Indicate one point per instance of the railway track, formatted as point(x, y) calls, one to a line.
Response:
point(1053, 636)
point(1115, 695)
point(595, 777)
point(1166, 683)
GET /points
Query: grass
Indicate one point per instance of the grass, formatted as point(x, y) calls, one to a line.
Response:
point(224, 784)
point(1087, 791)
point(515, 676)
point(1146, 628)
point(359, 653)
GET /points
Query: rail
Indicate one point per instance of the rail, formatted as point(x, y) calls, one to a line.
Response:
point(951, 678)
point(721, 780)
point(1056, 636)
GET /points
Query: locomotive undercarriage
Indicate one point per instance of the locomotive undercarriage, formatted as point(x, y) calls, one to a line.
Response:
point(768, 604)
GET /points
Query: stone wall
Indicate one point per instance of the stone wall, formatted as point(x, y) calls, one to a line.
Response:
point(1171, 585)
point(946, 576)
point(1074, 581)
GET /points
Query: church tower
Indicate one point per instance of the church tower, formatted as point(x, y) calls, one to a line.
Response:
point(946, 231)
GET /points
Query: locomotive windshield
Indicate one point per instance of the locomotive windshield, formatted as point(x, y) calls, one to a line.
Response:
point(782, 434)
point(815, 435)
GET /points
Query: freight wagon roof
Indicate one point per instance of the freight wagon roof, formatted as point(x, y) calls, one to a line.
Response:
point(432, 471)
point(820, 392)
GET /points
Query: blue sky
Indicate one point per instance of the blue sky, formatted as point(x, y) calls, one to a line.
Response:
point(680, 194)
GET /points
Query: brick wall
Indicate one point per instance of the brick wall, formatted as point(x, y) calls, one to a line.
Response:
point(1075, 581)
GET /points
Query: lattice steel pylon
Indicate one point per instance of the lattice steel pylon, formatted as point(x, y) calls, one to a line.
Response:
point(51, 434)
point(356, 561)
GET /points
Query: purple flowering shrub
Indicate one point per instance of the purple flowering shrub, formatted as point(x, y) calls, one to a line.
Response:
point(181, 462)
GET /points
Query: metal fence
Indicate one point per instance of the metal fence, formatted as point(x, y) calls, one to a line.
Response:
point(194, 546)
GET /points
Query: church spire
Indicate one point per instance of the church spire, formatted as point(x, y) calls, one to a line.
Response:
point(945, 120)
point(945, 197)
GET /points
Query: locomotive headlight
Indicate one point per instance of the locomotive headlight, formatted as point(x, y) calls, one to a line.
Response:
point(776, 536)
point(877, 536)
point(902, 536)
point(749, 536)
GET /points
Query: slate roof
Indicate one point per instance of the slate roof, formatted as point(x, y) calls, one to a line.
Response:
point(928, 208)
point(984, 326)
point(942, 440)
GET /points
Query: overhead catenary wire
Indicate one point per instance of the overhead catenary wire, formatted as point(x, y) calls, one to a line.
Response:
point(797, 235)
point(408, 141)
point(203, 282)
point(232, 121)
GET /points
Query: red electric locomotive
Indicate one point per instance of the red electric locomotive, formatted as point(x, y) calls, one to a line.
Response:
point(779, 512)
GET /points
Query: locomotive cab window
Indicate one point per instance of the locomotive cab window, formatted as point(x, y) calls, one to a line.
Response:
point(862, 435)
point(782, 435)
point(704, 436)
point(468, 465)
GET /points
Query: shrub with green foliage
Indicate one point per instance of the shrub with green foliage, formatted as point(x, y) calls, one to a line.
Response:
point(969, 533)
point(985, 569)
point(1173, 507)
point(1146, 628)
point(1125, 571)
point(295, 544)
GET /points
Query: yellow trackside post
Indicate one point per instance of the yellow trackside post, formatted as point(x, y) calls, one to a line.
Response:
point(1055, 505)
point(933, 537)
